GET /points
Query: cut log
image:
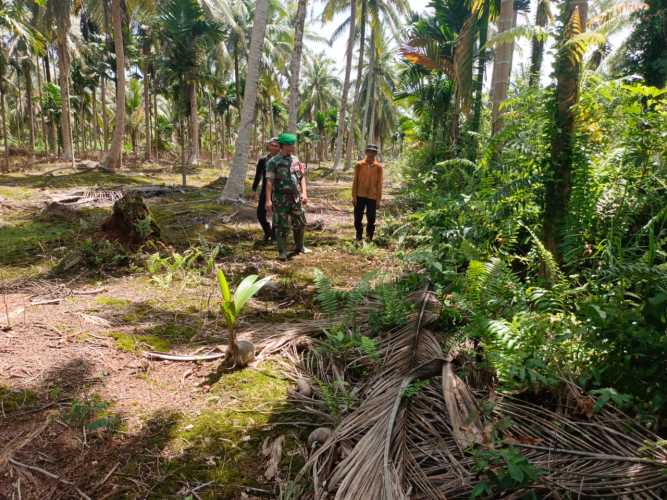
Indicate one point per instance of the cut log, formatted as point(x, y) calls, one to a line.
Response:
point(131, 221)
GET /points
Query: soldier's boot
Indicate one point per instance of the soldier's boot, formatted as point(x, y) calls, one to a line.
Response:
point(281, 244)
point(299, 247)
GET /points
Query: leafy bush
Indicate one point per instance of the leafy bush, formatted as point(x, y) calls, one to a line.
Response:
point(600, 316)
point(503, 470)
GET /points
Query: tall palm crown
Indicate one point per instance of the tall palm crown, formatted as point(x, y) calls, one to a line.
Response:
point(320, 86)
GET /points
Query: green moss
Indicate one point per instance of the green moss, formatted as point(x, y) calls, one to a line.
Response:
point(15, 399)
point(19, 194)
point(224, 446)
point(134, 343)
point(24, 240)
point(112, 302)
point(174, 332)
point(137, 312)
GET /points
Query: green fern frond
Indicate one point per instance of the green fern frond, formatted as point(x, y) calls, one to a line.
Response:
point(326, 295)
point(552, 271)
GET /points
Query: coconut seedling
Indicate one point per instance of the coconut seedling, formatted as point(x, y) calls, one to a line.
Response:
point(239, 353)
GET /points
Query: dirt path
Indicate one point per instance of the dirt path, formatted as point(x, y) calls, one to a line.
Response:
point(82, 412)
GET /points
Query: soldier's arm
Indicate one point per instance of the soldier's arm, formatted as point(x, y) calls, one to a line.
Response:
point(270, 176)
point(304, 190)
point(258, 173)
point(268, 204)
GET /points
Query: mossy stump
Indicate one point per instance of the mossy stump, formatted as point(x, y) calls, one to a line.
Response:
point(131, 221)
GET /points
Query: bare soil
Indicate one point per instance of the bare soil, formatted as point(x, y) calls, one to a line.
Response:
point(82, 412)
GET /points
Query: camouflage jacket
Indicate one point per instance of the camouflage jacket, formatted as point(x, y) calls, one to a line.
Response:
point(286, 176)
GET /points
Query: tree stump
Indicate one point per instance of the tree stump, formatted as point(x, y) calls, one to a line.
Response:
point(131, 221)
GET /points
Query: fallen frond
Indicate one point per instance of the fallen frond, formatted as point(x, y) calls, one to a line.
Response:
point(414, 425)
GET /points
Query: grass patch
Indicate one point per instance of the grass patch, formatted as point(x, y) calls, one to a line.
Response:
point(17, 194)
point(129, 342)
point(112, 302)
point(28, 240)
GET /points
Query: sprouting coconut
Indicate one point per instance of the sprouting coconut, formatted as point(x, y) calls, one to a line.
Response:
point(239, 353)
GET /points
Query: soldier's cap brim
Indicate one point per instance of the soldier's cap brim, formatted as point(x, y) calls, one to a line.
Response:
point(287, 139)
point(372, 147)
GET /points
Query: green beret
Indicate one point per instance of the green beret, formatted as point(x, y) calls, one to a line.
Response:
point(287, 138)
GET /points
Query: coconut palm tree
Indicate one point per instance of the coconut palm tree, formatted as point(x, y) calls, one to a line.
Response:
point(295, 65)
point(235, 183)
point(574, 14)
point(134, 112)
point(17, 32)
point(187, 34)
point(346, 85)
point(320, 87)
point(444, 43)
point(59, 11)
point(543, 17)
point(502, 64)
point(114, 158)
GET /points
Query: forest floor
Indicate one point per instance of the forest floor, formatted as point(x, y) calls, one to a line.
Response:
point(82, 412)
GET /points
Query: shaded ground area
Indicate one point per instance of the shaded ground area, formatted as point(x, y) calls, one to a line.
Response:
point(81, 411)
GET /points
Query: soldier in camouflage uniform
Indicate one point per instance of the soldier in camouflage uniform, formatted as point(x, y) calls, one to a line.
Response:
point(286, 194)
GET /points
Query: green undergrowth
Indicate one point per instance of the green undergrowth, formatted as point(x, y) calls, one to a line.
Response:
point(223, 443)
point(15, 399)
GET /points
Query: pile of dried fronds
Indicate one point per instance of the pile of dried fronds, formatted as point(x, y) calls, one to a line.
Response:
point(412, 426)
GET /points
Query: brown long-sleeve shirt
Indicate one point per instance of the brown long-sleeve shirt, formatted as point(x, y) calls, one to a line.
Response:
point(367, 180)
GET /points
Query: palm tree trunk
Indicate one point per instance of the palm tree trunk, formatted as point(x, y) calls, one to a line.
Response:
point(479, 82)
point(193, 157)
point(156, 123)
point(96, 123)
point(237, 81)
point(63, 77)
point(357, 86)
point(181, 129)
point(147, 111)
point(45, 132)
point(537, 46)
point(19, 115)
point(559, 181)
point(235, 184)
point(346, 87)
point(211, 118)
point(29, 108)
point(366, 129)
point(502, 65)
point(295, 65)
point(5, 139)
point(105, 117)
point(114, 159)
point(53, 134)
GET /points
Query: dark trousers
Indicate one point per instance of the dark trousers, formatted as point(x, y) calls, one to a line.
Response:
point(261, 215)
point(369, 206)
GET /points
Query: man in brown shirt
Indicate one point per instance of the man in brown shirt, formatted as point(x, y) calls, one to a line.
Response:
point(367, 192)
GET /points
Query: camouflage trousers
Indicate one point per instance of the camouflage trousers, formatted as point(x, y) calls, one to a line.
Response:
point(284, 214)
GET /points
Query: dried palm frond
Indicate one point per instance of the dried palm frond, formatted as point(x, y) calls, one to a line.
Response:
point(410, 432)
